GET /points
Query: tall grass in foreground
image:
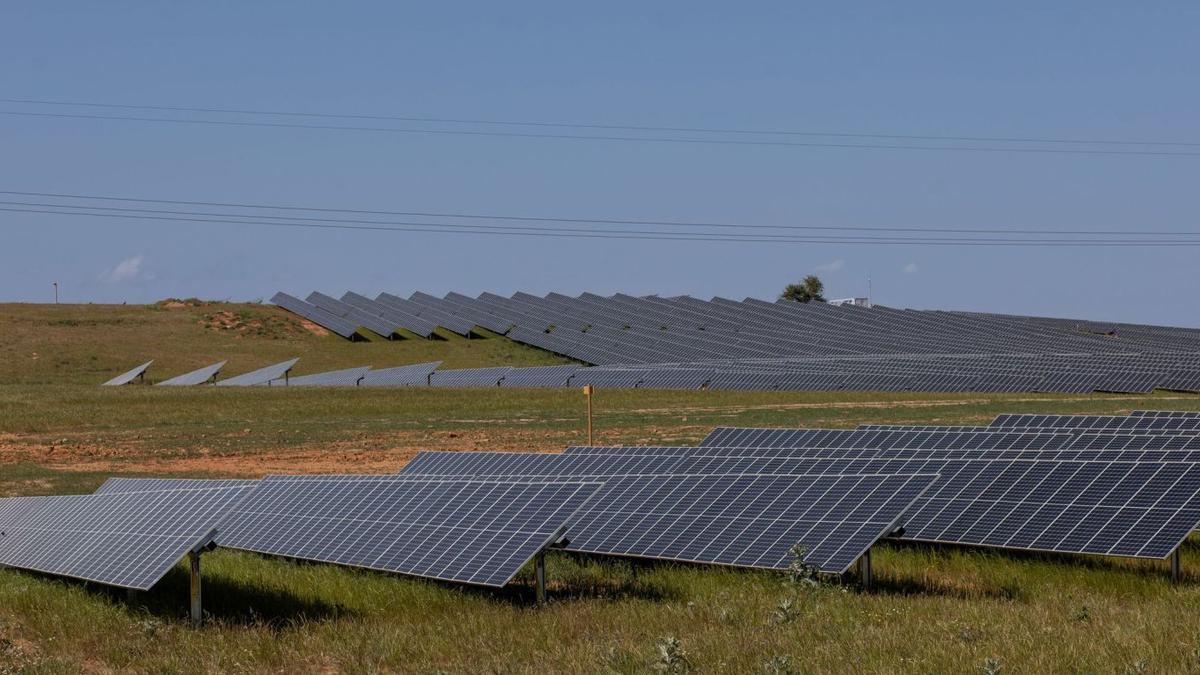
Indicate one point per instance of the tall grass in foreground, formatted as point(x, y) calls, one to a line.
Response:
point(933, 609)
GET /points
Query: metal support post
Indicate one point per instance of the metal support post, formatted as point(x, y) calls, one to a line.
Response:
point(539, 575)
point(1176, 567)
point(197, 613)
point(865, 578)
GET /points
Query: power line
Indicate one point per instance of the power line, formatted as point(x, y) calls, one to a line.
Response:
point(632, 139)
point(577, 220)
point(612, 127)
point(508, 231)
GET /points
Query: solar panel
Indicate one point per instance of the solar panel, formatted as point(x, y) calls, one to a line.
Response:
point(260, 376)
point(615, 379)
point(324, 318)
point(680, 509)
point(126, 378)
point(674, 379)
point(469, 531)
point(13, 509)
point(469, 377)
point(1097, 422)
point(1118, 507)
point(126, 539)
point(158, 484)
point(416, 374)
point(1165, 413)
point(348, 377)
point(847, 438)
point(199, 376)
point(539, 376)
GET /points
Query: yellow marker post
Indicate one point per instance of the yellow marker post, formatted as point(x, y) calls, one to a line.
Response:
point(587, 392)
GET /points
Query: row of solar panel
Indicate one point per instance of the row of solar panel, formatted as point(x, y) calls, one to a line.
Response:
point(802, 328)
point(479, 517)
point(629, 378)
point(758, 343)
point(279, 374)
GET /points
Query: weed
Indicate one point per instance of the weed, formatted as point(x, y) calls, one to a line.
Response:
point(672, 658)
point(799, 571)
point(785, 611)
point(778, 665)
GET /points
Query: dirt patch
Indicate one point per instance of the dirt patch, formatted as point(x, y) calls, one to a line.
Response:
point(313, 328)
point(244, 324)
point(378, 453)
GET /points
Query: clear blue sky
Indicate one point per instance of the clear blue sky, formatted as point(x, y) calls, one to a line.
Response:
point(1112, 70)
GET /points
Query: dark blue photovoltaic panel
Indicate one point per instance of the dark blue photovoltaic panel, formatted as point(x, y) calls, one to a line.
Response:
point(127, 539)
point(697, 511)
point(469, 531)
point(1169, 424)
point(159, 484)
point(1121, 503)
point(856, 438)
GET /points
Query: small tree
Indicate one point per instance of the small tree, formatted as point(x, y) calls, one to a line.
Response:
point(806, 291)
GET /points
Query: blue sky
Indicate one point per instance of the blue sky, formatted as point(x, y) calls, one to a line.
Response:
point(1072, 70)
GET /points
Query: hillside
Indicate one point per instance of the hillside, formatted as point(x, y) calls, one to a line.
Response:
point(88, 344)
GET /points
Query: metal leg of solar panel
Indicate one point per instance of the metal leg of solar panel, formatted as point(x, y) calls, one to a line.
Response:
point(1176, 567)
point(539, 577)
point(864, 570)
point(196, 611)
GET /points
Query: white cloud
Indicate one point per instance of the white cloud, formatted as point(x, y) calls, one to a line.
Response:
point(911, 268)
point(126, 270)
point(832, 266)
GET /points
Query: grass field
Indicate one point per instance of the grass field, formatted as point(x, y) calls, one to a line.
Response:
point(934, 609)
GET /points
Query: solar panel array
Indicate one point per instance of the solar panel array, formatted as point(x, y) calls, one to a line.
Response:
point(670, 509)
point(468, 531)
point(402, 376)
point(127, 539)
point(752, 344)
point(159, 484)
point(1089, 484)
point(468, 377)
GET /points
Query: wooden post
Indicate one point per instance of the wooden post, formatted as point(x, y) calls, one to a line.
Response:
point(197, 612)
point(588, 390)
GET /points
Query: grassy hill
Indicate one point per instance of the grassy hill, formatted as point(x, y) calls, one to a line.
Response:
point(88, 344)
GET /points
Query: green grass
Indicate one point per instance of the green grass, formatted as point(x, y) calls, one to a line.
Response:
point(934, 609)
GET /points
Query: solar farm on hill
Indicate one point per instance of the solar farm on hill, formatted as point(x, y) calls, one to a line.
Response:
point(932, 607)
